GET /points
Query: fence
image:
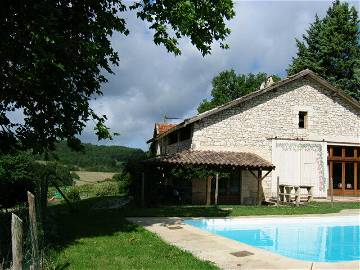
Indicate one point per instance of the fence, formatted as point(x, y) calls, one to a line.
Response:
point(25, 251)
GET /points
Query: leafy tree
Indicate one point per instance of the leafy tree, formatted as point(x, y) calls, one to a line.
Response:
point(331, 48)
point(227, 86)
point(53, 55)
point(16, 178)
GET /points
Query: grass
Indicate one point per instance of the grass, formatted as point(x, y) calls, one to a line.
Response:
point(87, 177)
point(103, 239)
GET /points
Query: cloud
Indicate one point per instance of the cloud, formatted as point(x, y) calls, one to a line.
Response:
point(149, 82)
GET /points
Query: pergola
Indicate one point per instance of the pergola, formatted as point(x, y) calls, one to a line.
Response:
point(213, 159)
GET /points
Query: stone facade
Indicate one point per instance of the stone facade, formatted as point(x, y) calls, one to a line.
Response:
point(253, 125)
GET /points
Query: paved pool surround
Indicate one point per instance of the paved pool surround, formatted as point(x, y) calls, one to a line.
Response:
point(218, 249)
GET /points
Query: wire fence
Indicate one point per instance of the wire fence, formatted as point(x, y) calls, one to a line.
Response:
point(21, 237)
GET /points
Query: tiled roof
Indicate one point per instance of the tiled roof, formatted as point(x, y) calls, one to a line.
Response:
point(192, 157)
point(163, 127)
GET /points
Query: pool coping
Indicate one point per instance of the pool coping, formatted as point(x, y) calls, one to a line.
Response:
point(217, 249)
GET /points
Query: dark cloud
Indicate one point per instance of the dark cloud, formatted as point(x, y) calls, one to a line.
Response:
point(149, 82)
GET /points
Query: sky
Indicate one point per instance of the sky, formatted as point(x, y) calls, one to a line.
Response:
point(150, 82)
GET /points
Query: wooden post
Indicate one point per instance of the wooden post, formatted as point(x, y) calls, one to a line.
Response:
point(297, 195)
point(16, 242)
point(33, 231)
point(332, 192)
point(259, 187)
point(208, 190)
point(143, 189)
point(216, 188)
point(277, 191)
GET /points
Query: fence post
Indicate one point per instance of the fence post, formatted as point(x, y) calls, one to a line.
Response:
point(16, 242)
point(33, 231)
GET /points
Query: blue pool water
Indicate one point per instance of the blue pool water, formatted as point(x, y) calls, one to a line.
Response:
point(325, 239)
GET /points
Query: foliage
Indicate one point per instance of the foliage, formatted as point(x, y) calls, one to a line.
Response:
point(73, 194)
point(132, 172)
point(190, 172)
point(16, 178)
point(54, 54)
point(106, 189)
point(227, 86)
point(331, 48)
point(98, 158)
point(55, 173)
point(123, 180)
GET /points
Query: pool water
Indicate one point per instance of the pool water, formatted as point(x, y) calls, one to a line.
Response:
point(318, 239)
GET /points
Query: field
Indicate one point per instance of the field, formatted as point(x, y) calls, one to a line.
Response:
point(87, 177)
point(103, 239)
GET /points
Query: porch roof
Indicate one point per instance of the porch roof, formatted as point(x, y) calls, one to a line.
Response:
point(213, 158)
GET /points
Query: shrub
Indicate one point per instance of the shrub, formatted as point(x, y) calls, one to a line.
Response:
point(106, 189)
point(73, 194)
point(123, 181)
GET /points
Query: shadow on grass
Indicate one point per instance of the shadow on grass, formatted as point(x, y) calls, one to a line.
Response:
point(65, 226)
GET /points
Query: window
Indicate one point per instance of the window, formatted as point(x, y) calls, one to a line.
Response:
point(337, 152)
point(302, 119)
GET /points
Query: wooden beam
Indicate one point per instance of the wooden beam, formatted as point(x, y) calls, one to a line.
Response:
point(356, 177)
point(216, 188)
point(261, 178)
point(343, 164)
point(253, 174)
point(259, 187)
point(332, 191)
point(208, 190)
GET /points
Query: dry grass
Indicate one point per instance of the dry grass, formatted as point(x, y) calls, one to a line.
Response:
point(92, 177)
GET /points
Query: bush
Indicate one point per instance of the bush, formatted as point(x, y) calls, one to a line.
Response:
point(123, 181)
point(106, 189)
point(73, 194)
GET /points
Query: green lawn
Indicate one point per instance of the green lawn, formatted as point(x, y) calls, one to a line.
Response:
point(103, 239)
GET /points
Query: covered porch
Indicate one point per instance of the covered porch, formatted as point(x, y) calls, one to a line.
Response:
point(229, 178)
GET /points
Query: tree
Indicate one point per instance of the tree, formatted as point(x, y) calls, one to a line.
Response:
point(331, 48)
point(227, 86)
point(53, 56)
point(16, 178)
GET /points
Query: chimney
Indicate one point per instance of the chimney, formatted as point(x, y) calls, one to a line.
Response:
point(269, 81)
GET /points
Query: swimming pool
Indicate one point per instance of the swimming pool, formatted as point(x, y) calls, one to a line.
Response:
point(318, 239)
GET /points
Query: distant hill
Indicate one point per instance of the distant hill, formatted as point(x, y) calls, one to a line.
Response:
point(98, 158)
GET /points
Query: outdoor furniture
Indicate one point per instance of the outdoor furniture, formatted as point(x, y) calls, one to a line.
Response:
point(286, 194)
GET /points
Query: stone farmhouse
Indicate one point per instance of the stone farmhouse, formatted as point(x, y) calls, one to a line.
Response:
point(301, 130)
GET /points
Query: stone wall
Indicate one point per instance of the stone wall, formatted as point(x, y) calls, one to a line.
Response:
point(251, 125)
point(177, 147)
